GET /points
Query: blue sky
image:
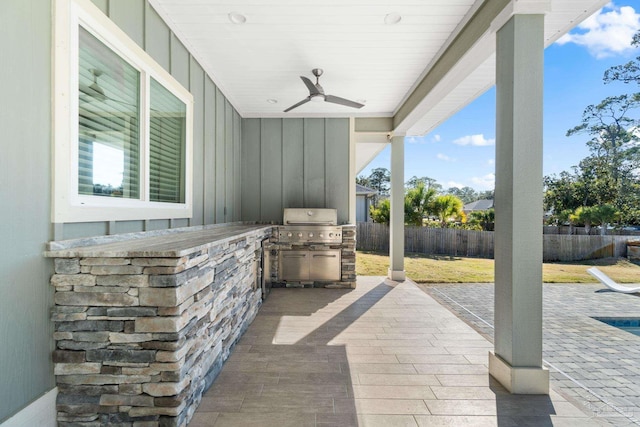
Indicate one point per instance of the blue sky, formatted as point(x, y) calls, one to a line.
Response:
point(461, 151)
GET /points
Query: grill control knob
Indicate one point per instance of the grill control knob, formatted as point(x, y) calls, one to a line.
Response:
point(289, 234)
point(299, 234)
point(330, 234)
point(310, 234)
point(321, 235)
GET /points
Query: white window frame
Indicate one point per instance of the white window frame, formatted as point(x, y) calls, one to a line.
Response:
point(67, 204)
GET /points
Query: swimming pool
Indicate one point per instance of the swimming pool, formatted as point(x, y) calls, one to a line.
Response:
point(629, 324)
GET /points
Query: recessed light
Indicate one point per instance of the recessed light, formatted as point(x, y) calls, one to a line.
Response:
point(272, 101)
point(237, 18)
point(392, 18)
point(362, 101)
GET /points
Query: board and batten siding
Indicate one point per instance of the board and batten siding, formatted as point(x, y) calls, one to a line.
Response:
point(294, 163)
point(216, 133)
point(26, 372)
point(26, 298)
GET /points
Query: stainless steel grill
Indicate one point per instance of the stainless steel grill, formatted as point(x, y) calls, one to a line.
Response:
point(307, 230)
point(310, 226)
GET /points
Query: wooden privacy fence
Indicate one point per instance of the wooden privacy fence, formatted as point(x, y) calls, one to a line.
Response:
point(470, 243)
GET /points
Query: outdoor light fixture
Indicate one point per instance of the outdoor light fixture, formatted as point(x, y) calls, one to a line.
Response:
point(272, 101)
point(392, 18)
point(237, 18)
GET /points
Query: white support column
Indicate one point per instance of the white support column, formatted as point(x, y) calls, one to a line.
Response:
point(352, 171)
point(517, 361)
point(396, 223)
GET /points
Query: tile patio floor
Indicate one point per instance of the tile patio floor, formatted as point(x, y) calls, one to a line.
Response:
point(596, 364)
point(384, 354)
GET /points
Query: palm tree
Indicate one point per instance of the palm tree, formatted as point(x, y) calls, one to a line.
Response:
point(584, 215)
point(603, 215)
point(447, 207)
point(416, 202)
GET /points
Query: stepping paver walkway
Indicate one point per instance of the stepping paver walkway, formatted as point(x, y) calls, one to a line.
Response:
point(385, 354)
point(596, 364)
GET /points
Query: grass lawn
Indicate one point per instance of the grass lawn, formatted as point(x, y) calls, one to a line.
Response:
point(446, 269)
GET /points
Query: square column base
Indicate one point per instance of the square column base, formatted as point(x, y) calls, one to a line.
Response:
point(396, 275)
point(519, 380)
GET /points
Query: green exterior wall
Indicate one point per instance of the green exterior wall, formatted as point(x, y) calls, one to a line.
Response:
point(25, 181)
point(278, 163)
point(26, 371)
point(292, 163)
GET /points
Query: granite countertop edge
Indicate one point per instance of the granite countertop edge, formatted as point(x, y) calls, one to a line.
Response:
point(115, 246)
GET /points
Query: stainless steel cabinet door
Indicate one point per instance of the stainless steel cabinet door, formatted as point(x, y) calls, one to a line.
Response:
point(294, 265)
point(325, 265)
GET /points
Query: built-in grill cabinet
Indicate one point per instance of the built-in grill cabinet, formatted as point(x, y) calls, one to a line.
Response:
point(308, 250)
point(306, 265)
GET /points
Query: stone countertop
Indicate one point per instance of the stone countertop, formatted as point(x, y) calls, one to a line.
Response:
point(171, 243)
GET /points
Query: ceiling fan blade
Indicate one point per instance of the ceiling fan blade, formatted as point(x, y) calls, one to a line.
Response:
point(93, 91)
point(342, 101)
point(304, 101)
point(313, 90)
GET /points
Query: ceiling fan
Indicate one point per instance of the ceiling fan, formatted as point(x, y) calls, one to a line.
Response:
point(94, 90)
point(316, 93)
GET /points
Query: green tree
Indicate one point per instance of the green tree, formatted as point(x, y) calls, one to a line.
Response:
point(486, 195)
point(446, 207)
point(381, 213)
point(429, 183)
point(626, 73)
point(485, 219)
point(604, 215)
point(562, 193)
point(466, 194)
point(584, 215)
point(416, 203)
point(608, 174)
point(362, 180)
point(379, 180)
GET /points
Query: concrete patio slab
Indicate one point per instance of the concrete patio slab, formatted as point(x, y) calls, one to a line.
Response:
point(384, 354)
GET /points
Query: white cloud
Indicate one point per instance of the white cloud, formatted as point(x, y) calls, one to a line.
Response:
point(445, 157)
point(423, 139)
point(607, 32)
point(451, 184)
point(476, 140)
point(491, 162)
point(486, 182)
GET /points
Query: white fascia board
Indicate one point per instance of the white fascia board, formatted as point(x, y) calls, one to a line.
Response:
point(473, 58)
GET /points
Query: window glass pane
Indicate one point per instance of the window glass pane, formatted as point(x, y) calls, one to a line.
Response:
point(167, 146)
point(109, 112)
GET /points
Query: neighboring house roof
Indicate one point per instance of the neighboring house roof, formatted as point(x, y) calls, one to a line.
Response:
point(478, 205)
point(362, 190)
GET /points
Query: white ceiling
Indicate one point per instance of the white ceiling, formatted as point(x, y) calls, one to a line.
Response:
point(363, 58)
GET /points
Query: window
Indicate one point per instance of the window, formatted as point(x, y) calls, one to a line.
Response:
point(108, 122)
point(122, 140)
point(167, 132)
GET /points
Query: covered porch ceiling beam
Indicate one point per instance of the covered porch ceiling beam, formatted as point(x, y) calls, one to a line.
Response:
point(472, 33)
point(469, 60)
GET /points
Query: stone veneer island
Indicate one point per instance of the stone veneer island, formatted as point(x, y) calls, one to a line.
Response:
point(144, 322)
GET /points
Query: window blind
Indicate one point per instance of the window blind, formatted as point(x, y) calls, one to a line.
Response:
point(167, 131)
point(108, 122)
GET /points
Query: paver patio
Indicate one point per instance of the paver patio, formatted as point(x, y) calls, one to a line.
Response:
point(590, 361)
point(384, 354)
